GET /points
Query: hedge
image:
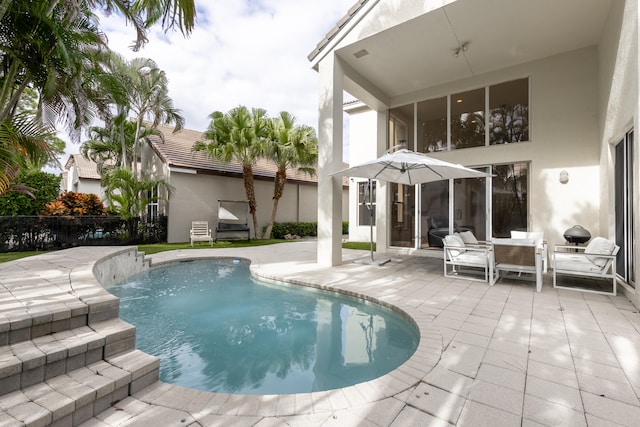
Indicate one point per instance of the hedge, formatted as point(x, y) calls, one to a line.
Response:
point(302, 229)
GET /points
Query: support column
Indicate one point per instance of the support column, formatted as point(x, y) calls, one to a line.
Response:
point(383, 208)
point(330, 124)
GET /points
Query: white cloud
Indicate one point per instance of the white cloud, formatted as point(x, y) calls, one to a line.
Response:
point(240, 53)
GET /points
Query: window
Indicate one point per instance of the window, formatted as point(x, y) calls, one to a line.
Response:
point(432, 125)
point(509, 112)
point(467, 119)
point(367, 203)
point(401, 126)
point(152, 207)
point(493, 115)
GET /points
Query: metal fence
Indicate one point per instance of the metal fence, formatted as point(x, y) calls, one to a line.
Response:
point(30, 233)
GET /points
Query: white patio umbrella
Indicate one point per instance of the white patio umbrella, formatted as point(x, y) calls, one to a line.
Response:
point(409, 168)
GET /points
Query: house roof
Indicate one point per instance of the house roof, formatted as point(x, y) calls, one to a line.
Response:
point(86, 169)
point(176, 151)
point(336, 29)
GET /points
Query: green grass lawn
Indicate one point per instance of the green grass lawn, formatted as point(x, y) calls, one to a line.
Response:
point(161, 247)
point(11, 256)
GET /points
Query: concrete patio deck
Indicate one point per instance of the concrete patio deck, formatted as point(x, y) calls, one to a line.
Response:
point(496, 356)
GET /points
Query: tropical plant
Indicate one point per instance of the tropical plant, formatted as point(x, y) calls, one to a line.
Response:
point(289, 146)
point(104, 148)
point(149, 98)
point(238, 135)
point(55, 48)
point(39, 188)
point(128, 194)
point(75, 204)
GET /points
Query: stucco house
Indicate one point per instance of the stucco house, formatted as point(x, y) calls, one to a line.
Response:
point(542, 95)
point(199, 182)
point(81, 176)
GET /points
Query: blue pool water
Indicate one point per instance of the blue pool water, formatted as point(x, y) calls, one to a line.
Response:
point(217, 329)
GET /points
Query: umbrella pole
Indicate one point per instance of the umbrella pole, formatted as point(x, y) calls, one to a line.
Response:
point(370, 220)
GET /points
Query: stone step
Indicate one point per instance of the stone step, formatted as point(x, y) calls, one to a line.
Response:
point(26, 323)
point(27, 363)
point(72, 398)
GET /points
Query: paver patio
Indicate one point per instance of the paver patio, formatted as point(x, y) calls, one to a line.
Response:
point(502, 355)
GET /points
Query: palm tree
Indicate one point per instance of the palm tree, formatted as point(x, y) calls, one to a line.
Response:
point(104, 148)
point(149, 98)
point(238, 135)
point(289, 146)
point(53, 46)
point(130, 194)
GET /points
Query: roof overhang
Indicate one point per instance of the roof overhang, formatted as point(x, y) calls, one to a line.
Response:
point(459, 40)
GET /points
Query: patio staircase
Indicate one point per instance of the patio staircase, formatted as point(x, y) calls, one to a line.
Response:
point(62, 364)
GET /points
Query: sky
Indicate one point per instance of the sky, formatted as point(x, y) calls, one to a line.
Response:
point(246, 52)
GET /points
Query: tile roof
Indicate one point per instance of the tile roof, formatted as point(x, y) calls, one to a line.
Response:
point(176, 152)
point(336, 29)
point(87, 169)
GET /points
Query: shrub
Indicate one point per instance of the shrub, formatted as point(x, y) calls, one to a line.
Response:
point(75, 204)
point(302, 229)
point(43, 186)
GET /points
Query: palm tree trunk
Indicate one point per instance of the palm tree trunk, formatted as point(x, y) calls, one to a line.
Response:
point(278, 190)
point(247, 173)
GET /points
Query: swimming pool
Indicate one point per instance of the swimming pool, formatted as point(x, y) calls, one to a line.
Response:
point(217, 329)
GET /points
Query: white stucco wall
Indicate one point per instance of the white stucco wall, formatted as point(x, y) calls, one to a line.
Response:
point(82, 185)
point(196, 198)
point(564, 136)
point(619, 108)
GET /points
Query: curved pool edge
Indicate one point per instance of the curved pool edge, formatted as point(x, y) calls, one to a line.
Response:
point(400, 380)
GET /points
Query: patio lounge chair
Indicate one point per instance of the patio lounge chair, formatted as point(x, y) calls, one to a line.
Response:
point(233, 219)
point(597, 260)
point(200, 232)
point(468, 259)
point(520, 256)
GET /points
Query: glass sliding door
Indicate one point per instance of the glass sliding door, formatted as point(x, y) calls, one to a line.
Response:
point(624, 210)
point(434, 213)
point(470, 206)
point(403, 216)
point(509, 200)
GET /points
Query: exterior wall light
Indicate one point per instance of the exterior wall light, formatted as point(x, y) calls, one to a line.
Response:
point(564, 177)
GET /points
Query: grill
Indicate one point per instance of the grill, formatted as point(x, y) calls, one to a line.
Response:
point(577, 235)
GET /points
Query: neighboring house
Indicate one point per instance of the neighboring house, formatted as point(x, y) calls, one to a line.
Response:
point(199, 182)
point(81, 176)
point(543, 95)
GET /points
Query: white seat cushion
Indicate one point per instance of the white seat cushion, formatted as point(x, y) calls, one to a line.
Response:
point(468, 237)
point(599, 246)
point(471, 258)
point(455, 241)
point(537, 236)
point(513, 242)
point(575, 262)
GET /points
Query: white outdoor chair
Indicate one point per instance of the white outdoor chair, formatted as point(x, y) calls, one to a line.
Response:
point(597, 260)
point(467, 260)
point(538, 237)
point(520, 256)
point(200, 232)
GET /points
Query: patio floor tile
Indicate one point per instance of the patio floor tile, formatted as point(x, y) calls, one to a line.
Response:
point(476, 414)
point(490, 355)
